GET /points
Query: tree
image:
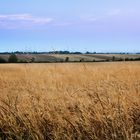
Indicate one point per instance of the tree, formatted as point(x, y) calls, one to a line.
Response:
point(32, 59)
point(2, 60)
point(13, 58)
point(67, 59)
point(82, 60)
point(113, 58)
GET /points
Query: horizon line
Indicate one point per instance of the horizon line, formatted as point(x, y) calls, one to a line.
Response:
point(60, 51)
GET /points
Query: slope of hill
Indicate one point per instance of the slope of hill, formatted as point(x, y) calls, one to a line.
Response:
point(52, 58)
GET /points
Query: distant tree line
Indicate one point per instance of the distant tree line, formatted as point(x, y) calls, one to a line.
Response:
point(124, 59)
point(65, 52)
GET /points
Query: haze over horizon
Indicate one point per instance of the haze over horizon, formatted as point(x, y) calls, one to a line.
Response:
point(81, 25)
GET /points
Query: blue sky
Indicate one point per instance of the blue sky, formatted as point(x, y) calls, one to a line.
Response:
point(74, 25)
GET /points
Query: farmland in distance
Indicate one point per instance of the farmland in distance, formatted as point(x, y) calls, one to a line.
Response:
point(53, 58)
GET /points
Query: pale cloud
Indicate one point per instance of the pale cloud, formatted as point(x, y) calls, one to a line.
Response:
point(114, 12)
point(22, 20)
point(105, 15)
point(63, 24)
point(88, 18)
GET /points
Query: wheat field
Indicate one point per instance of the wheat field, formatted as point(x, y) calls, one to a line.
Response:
point(85, 101)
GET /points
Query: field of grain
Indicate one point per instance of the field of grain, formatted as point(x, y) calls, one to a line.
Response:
point(85, 101)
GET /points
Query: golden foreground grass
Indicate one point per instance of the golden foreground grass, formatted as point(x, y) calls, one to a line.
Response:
point(99, 101)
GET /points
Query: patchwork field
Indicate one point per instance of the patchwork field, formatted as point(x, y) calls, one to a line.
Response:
point(80, 101)
point(72, 57)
